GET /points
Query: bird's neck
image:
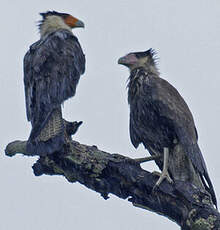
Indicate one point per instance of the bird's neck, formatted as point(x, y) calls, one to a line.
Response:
point(146, 70)
point(51, 24)
point(136, 79)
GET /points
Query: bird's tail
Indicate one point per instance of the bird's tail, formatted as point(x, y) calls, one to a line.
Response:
point(199, 163)
point(209, 188)
point(47, 138)
point(195, 155)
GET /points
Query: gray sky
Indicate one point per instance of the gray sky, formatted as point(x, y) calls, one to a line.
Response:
point(186, 37)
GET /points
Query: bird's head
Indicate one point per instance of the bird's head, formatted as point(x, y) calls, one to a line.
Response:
point(136, 60)
point(53, 20)
point(68, 19)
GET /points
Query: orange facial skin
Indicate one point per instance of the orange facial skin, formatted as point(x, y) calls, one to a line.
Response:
point(71, 21)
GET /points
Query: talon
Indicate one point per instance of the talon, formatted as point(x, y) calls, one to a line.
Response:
point(169, 178)
point(155, 188)
point(164, 175)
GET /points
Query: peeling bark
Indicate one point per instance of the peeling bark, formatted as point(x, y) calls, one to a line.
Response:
point(190, 207)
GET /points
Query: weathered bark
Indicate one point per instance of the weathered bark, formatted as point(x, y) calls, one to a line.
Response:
point(191, 208)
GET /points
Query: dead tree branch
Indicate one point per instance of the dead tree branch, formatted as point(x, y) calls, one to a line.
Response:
point(108, 173)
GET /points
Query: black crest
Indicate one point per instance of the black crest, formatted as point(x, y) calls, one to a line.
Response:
point(55, 13)
point(51, 13)
point(149, 53)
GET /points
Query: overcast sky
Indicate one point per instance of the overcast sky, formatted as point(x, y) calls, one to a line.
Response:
point(185, 35)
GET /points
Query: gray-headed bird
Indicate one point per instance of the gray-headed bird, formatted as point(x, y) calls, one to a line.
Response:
point(161, 120)
point(52, 68)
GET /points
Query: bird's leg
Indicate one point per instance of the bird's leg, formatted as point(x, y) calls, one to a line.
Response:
point(145, 159)
point(164, 173)
point(155, 156)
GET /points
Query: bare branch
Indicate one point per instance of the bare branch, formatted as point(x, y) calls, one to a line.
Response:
point(108, 173)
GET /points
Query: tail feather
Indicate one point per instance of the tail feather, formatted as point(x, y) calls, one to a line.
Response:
point(50, 138)
point(210, 189)
point(198, 162)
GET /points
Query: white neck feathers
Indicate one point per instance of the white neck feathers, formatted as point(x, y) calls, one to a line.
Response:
point(51, 24)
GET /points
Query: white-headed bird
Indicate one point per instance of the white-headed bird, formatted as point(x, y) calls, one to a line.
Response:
point(161, 120)
point(52, 68)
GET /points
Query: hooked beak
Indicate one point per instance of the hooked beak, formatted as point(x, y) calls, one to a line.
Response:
point(128, 60)
point(122, 61)
point(80, 24)
point(73, 22)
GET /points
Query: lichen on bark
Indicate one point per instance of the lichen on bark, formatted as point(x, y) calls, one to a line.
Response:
point(189, 206)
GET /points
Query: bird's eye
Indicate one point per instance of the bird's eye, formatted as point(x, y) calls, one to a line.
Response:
point(140, 54)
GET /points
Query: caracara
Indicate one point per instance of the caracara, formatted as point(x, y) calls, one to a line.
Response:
point(52, 68)
point(161, 120)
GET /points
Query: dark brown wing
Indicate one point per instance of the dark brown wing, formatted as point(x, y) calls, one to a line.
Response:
point(158, 115)
point(172, 106)
point(52, 68)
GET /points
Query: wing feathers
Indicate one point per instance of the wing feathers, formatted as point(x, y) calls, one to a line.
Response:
point(159, 115)
point(52, 68)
